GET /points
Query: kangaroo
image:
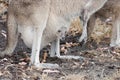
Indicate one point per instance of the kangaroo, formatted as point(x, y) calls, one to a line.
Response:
point(29, 19)
point(37, 20)
point(90, 8)
point(113, 10)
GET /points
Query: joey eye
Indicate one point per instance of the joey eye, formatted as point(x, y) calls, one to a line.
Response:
point(59, 31)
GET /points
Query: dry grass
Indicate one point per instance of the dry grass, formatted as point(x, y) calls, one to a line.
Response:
point(100, 31)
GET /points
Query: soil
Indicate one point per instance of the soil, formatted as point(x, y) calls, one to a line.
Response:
point(98, 61)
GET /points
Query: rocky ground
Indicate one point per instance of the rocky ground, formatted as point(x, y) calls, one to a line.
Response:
point(98, 60)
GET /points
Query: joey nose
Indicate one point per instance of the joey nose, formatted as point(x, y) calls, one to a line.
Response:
point(62, 38)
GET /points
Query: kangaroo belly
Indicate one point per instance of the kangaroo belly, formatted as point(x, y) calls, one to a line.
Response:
point(26, 35)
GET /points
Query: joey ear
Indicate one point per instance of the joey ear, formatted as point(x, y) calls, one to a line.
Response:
point(81, 17)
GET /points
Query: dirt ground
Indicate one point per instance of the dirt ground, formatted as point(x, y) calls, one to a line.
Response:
point(98, 61)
